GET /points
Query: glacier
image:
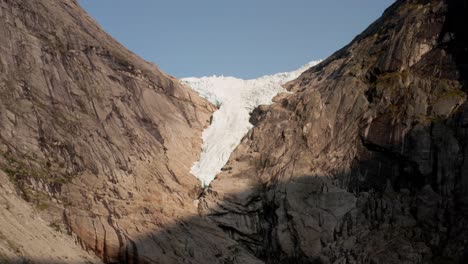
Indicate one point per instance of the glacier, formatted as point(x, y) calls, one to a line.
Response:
point(236, 99)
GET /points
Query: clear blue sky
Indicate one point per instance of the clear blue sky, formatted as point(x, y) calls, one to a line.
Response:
point(242, 38)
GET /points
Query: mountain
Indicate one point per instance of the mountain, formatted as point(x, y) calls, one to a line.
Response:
point(365, 161)
point(236, 99)
point(99, 143)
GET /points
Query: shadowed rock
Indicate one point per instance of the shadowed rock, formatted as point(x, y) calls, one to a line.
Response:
point(373, 144)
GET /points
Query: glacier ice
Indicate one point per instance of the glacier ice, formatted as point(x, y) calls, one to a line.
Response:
point(236, 99)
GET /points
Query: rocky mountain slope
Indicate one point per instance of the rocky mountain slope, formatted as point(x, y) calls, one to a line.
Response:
point(99, 142)
point(25, 236)
point(366, 161)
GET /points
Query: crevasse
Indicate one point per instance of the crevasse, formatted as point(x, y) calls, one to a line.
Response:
point(236, 99)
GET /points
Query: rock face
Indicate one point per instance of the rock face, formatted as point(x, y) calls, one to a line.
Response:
point(366, 161)
point(24, 236)
point(100, 141)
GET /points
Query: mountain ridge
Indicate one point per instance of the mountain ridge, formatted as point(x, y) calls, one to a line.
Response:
point(364, 161)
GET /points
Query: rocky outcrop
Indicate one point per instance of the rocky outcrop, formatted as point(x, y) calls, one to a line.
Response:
point(365, 162)
point(100, 141)
point(25, 236)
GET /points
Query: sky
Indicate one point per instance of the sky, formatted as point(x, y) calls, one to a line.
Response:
point(241, 38)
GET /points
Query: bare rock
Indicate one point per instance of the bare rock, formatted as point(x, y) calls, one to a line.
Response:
point(27, 238)
point(102, 139)
point(365, 163)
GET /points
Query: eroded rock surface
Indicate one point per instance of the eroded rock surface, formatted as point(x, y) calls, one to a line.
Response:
point(100, 141)
point(27, 238)
point(366, 162)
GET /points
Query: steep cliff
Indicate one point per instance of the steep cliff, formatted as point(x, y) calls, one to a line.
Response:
point(367, 160)
point(100, 142)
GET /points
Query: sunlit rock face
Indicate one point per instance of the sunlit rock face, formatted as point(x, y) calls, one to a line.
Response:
point(101, 141)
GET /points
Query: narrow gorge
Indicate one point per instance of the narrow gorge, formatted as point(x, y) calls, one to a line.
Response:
point(359, 158)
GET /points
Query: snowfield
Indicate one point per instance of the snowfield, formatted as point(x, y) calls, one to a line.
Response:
point(236, 99)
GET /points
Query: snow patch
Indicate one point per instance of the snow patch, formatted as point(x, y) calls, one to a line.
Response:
point(236, 99)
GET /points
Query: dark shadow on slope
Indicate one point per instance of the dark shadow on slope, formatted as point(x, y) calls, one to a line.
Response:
point(411, 204)
point(454, 37)
point(393, 205)
point(398, 202)
point(405, 202)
